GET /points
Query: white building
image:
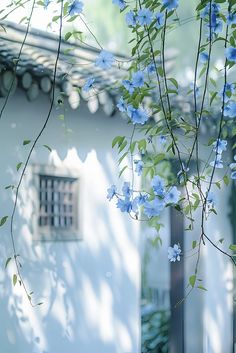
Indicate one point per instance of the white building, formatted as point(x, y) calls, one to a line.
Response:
point(80, 255)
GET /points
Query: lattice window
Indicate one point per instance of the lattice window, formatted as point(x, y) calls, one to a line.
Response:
point(58, 200)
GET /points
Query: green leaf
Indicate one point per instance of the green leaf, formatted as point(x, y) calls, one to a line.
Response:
point(122, 170)
point(9, 187)
point(192, 280)
point(48, 148)
point(29, 297)
point(132, 147)
point(158, 158)
point(14, 279)
point(232, 247)
point(3, 220)
point(194, 244)
point(18, 166)
point(122, 146)
point(226, 180)
point(122, 157)
point(142, 145)
point(175, 83)
point(202, 288)
point(68, 35)
point(213, 95)
point(7, 262)
point(26, 142)
point(55, 18)
point(117, 140)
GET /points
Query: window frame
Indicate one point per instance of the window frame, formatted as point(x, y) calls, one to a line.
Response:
point(50, 233)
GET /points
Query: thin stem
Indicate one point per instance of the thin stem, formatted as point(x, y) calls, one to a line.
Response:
point(17, 60)
point(30, 153)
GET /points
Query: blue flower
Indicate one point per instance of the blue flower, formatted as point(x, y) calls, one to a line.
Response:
point(230, 110)
point(128, 85)
point(217, 163)
point(158, 186)
point(127, 192)
point(151, 69)
point(215, 9)
point(144, 17)
point(204, 57)
point(231, 54)
point(88, 84)
point(211, 199)
point(216, 24)
point(220, 146)
point(138, 167)
point(46, 3)
point(131, 19)
point(231, 19)
point(163, 139)
point(104, 60)
point(153, 208)
point(229, 89)
point(233, 168)
point(233, 175)
point(137, 116)
point(138, 79)
point(75, 8)
point(170, 4)
point(173, 195)
point(120, 3)
point(121, 105)
point(174, 253)
point(111, 192)
point(141, 199)
point(124, 205)
point(160, 20)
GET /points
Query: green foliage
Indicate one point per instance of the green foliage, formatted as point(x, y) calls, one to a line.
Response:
point(155, 331)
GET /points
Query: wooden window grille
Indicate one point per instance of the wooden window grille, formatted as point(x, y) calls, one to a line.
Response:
point(58, 203)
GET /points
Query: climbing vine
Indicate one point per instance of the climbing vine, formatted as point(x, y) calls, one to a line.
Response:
point(162, 129)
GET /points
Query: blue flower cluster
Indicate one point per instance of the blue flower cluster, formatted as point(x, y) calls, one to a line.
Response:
point(137, 81)
point(105, 61)
point(219, 147)
point(144, 16)
point(226, 92)
point(136, 115)
point(153, 204)
point(229, 92)
point(231, 19)
point(211, 15)
point(231, 54)
point(75, 8)
point(174, 253)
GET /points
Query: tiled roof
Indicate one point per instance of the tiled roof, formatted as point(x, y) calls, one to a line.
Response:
point(76, 62)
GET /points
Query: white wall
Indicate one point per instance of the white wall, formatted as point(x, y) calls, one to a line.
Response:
point(209, 314)
point(90, 288)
